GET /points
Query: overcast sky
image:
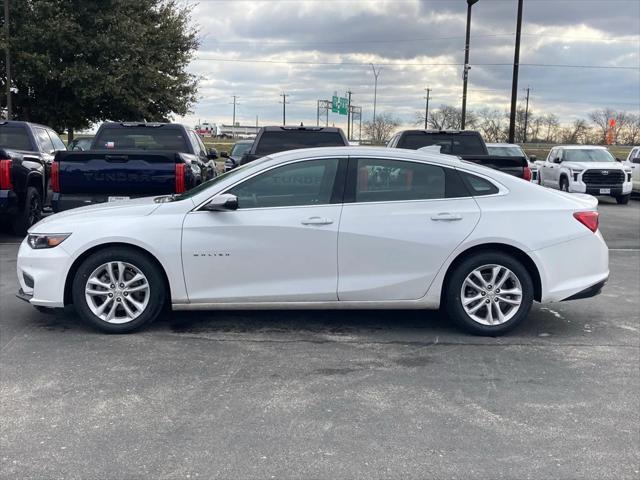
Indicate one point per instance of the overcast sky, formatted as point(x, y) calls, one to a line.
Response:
point(330, 43)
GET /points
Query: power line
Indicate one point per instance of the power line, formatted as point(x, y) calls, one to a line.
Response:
point(414, 64)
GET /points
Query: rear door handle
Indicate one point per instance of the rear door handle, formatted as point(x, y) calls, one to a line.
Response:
point(317, 221)
point(446, 217)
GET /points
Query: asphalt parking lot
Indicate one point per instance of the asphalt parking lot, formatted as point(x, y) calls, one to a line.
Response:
point(329, 394)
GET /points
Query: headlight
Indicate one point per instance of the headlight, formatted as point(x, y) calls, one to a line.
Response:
point(38, 241)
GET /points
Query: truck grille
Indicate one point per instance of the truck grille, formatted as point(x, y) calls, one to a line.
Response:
point(603, 177)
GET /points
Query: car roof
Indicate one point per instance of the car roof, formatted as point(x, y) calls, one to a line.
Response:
point(581, 147)
point(18, 123)
point(503, 145)
point(143, 124)
point(460, 132)
point(356, 151)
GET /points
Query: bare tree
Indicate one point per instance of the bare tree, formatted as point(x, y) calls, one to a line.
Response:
point(600, 118)
point(448, 117)
point(550, 126)
point(631, 133)
point(575, 133)
point(491, 124)
point(379, 131)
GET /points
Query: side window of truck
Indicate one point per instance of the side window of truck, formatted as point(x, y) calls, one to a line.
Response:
point(44, 140)
point(58, 144)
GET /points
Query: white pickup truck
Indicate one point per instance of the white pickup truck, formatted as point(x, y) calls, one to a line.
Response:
point(586, 169)
point(633, 162)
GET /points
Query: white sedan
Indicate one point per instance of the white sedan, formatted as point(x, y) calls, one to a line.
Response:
point(339, 228)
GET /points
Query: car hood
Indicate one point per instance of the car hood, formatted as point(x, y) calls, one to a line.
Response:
point(127, 208)
point(592, 165)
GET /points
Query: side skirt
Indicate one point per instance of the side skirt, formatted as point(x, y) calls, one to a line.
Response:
point(337, 305)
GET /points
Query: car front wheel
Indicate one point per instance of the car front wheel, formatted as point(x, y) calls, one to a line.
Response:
point(489, 293)
point(623, 199)
point(118, 290)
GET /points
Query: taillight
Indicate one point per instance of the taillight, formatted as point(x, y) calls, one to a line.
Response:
point(55, 177)
point(5, 175)
point(180, 180)
point(588, 219)
point(527, 174)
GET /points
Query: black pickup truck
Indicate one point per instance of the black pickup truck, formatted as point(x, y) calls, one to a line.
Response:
point(279, 139)
point(466, 144)
point(128, 160)
point(26, 153)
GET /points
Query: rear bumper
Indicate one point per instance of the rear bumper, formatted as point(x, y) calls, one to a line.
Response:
point(64, 201)
point(588, 292)
point(8, 201)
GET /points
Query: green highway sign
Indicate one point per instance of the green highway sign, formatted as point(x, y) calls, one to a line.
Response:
point(339, 105)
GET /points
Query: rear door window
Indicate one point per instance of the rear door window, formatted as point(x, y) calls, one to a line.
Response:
point(381, 180)
point(282, 140)
point(46, 145)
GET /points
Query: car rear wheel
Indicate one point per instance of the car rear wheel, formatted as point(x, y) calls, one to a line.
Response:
point(30, 213)
point(623, 199)
point(489, 293)
point(118, 290)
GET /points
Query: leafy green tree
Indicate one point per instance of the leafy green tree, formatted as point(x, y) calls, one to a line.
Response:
point(76, 62)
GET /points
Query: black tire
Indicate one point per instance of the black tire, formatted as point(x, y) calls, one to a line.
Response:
point(157, 289)
point(30, 212)
point(564, 184)
point(452, 297)
point(623, 199)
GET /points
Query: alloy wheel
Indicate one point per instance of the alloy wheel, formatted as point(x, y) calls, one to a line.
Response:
point(117, 292)
point(491, 294)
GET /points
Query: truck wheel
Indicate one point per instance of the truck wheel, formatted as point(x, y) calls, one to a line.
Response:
point(564, 184)
point(623, 199)
point(118, 290)
point(489, 293)
point(29, 214)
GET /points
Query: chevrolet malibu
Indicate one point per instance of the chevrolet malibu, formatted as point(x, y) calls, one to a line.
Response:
point(327, 228)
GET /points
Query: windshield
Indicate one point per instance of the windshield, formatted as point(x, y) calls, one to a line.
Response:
point(506, 151)
point(141, 138)
point(14, 137)
point(450, 144)
point(225, 176)
point(586, 155)
point(240, 149)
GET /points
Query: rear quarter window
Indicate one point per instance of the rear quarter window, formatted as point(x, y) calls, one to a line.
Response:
point(478, 186)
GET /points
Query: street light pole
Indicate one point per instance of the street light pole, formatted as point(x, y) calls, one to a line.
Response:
point(465, 74)
point(514, 84)
point(375, 89)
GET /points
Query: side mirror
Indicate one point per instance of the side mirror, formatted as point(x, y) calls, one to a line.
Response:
point(533, 158)
point(212, 154)
point(222, 203)
point(618, 159)
point(224, 154)
point(557, 160)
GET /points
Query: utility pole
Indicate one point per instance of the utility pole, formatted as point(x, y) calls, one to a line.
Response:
point(7, 58)
point(233, 124)
point(465, 73)
point(284, 108)
point(514, 84)
point(426, 109)
point(526, 118)
point(349, 116)
point(256, 121)
point(375, 89)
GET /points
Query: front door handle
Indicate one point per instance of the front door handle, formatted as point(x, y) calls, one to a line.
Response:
point(317, 221)
point(446, 217)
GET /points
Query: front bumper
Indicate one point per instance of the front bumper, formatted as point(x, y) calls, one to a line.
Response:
point(42, 274)
point(590, 189)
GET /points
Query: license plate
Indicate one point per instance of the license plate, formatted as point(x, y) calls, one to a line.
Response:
point(116, 199)
point(605, 191)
